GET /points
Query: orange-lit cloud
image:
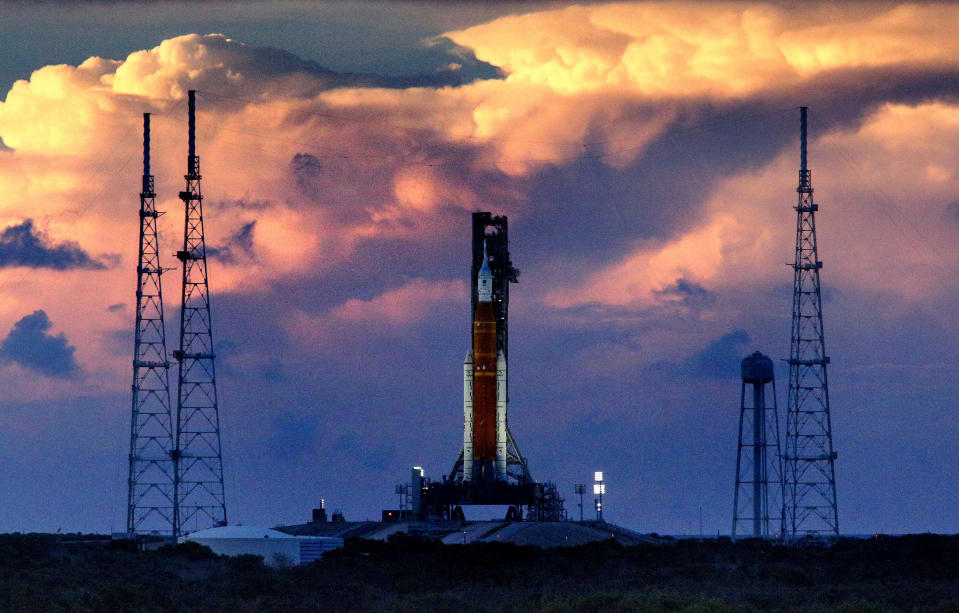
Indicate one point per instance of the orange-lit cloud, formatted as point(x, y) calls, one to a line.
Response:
point(682, 49)
point(886, 184)
point(571, 72)
point(393, 310)
point(396, 164)
point(410, 302)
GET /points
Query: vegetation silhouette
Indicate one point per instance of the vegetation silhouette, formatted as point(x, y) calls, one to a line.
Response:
point(87, 573)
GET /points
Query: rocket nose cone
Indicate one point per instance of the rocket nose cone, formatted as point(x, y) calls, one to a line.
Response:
point(469, 357)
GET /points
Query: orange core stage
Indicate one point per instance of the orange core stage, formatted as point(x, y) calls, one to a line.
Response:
point(484, 384)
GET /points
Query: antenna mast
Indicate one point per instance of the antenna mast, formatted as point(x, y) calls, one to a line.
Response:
point(150, 496)
point(199, 492)
point(809, 461)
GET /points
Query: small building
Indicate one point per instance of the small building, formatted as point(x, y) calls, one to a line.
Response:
point(276, 548)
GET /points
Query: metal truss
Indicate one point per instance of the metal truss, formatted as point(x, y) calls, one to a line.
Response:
point(200, 498)
point(150, 497)
point(516, 467)
point(809, 460)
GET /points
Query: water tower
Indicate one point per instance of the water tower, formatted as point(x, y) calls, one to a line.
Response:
point(757, 502)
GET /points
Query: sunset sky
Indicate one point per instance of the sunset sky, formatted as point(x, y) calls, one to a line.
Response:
point(646, 156)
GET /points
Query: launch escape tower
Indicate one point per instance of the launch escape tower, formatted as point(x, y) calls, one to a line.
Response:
point(757, 501)
point(809, 459)
point(198, 484)
point(150, 497)
point(490, 469)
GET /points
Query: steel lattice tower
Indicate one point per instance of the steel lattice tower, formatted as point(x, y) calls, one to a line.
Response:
point(150, 498)
point(199, 463)
point(809, 461)
point(757, 501)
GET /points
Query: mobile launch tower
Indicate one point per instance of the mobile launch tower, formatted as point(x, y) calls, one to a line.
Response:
point(489, 451)
point(490, 469)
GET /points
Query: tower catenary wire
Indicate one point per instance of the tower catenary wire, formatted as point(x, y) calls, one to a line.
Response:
point(150, 491)
point(199, 491)
point(809, 459)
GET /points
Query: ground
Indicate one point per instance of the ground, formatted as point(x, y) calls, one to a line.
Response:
point(910, 573)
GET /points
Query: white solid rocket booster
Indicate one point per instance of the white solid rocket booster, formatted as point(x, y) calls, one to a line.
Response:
point(468, 417)
point(500, 416)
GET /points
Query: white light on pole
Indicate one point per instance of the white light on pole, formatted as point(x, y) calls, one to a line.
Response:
point(599, 488)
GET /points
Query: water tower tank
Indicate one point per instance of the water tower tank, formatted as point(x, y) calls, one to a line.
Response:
point(757, 368)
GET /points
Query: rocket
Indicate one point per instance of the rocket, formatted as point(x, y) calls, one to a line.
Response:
point(484, 391)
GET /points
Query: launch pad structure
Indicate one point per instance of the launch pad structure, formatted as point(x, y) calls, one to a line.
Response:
point(490, 469)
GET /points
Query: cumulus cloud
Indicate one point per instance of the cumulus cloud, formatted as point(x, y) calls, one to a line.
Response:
point(218, 64)
point(306, 169)
point(687, 293)
point(652, 269)
point(415, 314)
point(238, 246)
point(402, 305)
point(21, 245)
point(31, 345)
point(721, 357)
point(594, 66)
point(324, 177)
point(686, 49)
point(370, 163)
point(885, 181)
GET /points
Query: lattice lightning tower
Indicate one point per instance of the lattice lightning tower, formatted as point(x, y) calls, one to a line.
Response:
point(150, 497)
point(199, 463)
point(809, 461)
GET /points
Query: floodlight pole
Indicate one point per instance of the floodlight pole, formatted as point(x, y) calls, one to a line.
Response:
point(599, 488)
point(580, 489)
